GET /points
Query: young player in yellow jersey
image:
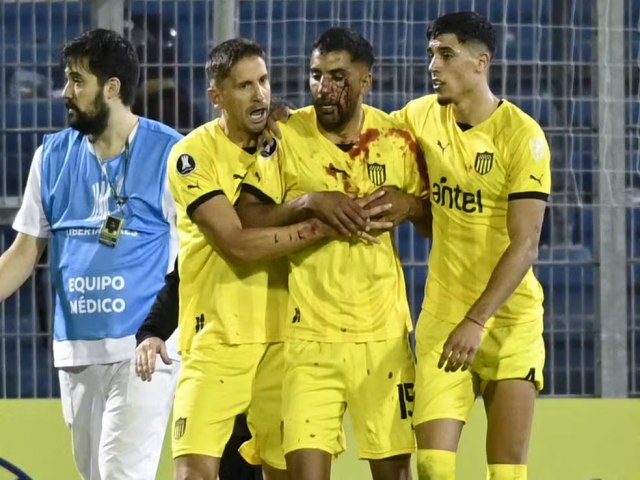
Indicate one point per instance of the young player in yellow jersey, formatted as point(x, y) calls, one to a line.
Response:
point(230, 309)
point(348, 316)
point(480, 330)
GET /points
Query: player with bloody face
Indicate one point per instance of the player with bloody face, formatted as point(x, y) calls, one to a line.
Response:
point(348, 315)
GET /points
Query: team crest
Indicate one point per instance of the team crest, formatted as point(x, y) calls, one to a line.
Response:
point(179, 426)
point(377, 173)
point(186, 164)
point(483, 163)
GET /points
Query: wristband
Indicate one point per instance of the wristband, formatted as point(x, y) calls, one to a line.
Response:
point(474, 321)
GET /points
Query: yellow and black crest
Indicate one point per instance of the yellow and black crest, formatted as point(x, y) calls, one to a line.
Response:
point(484, 162)
point(179, 426)
point(377, 173)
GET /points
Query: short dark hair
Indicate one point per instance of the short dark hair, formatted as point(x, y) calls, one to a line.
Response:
point(466, 26)
point(224, 56)
point(339, 38)
point(108, 55)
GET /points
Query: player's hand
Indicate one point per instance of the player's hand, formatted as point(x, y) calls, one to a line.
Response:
point(339, 210)
point(324, 230)
point(401, 205)
point(146, 357)
point(375, 211)
point(278, 112)
point(460, 349)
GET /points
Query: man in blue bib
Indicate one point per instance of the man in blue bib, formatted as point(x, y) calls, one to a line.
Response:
point(97, 195)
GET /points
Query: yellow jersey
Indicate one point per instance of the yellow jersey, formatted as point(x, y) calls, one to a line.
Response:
point(219, 302)
point(341, 290)
point(474, 173)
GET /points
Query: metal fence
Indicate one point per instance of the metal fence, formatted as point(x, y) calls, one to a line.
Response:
point(571, 65)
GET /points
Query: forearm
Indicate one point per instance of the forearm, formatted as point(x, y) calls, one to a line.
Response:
point(255, 244)
point(162, 319)
point(420, 216)
point(507, 275)
point(259, 215)
point(17, 264)
point(154, 327)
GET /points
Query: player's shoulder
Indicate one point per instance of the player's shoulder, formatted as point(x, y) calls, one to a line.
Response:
point(388, 125)
point(198, 141)
point(383, 119)
point(194, 149)
point(426, 101)
point(422, 105)
point(416, 113)
point(515, 129)
point(516, 121)
point(301, 118)
point(299, 129)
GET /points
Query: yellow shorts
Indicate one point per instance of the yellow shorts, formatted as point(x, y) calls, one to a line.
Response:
point(221, 381)
point(373, 379)
point(506, 352)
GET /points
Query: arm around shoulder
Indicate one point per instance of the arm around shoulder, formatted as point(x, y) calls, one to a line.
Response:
point(256, 209)
point(219, 222)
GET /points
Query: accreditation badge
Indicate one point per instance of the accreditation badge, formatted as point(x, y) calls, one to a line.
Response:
point(110, 231)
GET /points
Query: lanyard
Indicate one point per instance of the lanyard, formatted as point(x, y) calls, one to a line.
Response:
point(119, 188)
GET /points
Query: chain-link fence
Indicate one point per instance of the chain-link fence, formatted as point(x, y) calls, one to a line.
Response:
point(571, 65)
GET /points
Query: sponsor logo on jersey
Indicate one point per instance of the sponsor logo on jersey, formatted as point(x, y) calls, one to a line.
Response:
point(537, 179)
point(454, 197)
point(442, 146)
point(531, 375)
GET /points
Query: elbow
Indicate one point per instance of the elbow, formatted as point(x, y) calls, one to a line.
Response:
point(240, 256)
point(526, 249)
point(531, 253)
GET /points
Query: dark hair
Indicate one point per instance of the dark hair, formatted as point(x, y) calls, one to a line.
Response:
point(108, 55)
point(466, 26)
point(224, 56)
point(339, 38)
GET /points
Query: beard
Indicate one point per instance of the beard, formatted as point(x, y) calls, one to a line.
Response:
point(93, 122)
point(344, 99)
point(336, 120)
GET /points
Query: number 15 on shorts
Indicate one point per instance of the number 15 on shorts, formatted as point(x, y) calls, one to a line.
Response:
point(405, 397)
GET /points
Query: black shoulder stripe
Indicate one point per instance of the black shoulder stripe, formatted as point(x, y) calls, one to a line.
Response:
point(256, 192)
point(535, 195)
point(200, 200)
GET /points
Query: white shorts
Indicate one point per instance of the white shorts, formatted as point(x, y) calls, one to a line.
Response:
point(117, 421)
